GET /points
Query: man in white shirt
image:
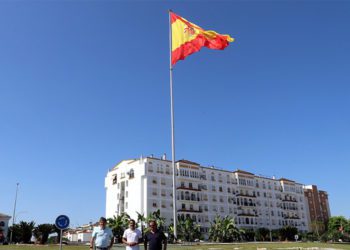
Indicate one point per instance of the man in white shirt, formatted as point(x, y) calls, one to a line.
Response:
point(102, 236)
point(132, 237)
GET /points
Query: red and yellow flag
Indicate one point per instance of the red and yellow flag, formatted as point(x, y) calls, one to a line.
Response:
point(188, 38)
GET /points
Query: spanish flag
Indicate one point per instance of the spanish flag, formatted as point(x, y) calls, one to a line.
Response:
point(188, 38)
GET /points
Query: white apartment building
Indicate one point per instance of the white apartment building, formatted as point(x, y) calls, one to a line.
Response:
point(145, 185)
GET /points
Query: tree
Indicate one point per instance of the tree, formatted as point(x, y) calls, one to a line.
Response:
point(142, 220)
point(224, 230)
point(275, 233)
point(339, 223)
point(42, 231)
point(158, 218)
point(118, 224)
point(288, 233)
point(188, 230)
point(338, 228)
point(249, 234)
point(262, 233)
point(22, 232)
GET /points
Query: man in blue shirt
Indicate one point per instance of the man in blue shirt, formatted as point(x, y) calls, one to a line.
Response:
point(102, 236)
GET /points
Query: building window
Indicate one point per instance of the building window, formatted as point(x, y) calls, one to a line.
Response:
point(131, 173)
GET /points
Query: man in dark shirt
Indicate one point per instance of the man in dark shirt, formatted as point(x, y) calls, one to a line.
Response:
point(154, 238)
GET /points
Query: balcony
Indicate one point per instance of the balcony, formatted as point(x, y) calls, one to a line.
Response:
point(246, 205)
point(246, 195)
point(289, 200)
point(247, 215)
point(188, 199)
point(289, 208)
point(294, 217)
point(189, 211)
point(188, 188)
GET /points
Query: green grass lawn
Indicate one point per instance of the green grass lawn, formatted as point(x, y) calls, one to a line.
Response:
point(237, 246)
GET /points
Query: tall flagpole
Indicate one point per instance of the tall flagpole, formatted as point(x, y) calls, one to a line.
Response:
point(14, 213)
point(172, 133)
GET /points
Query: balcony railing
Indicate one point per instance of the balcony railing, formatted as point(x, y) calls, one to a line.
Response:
point(246, 195)
point(188, 188)
point(189, 211)
point(247, 215)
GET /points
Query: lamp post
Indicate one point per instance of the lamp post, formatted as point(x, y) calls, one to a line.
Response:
point(14, 212)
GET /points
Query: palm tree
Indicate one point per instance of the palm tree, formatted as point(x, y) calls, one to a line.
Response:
point(215, 229)
point(288, 232)
point(224, 229)
point(158, 218)
point(262, 233)
point(188, 230)
point(42, 231)
point(22, 232)
point(141, 219)
point(118, 224)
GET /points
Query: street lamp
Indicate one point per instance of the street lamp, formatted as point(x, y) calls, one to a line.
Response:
point(14, 212)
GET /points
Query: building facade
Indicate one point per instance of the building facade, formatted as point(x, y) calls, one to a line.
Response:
point(318, 207)
point(4, 225)
point(145, 185)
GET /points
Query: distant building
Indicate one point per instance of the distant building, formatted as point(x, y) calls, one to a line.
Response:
point(4, 225)
point(78, 235)
point(144, 185)
point(318, 207)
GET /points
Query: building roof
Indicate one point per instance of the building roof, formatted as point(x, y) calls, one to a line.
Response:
point(287, 180)
point(188, 162)
point(5, 216)
point(126, 161)
point(239, 171)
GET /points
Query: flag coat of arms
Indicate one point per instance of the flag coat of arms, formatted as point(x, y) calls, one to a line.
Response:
point(188, 38)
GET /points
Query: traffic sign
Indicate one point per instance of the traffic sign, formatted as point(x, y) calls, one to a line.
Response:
point(62, 222)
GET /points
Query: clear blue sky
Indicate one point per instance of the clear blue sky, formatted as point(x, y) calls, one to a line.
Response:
point(85, 84)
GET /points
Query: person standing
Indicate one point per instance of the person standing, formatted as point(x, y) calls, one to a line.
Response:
point(102, 236)
point(155, 238)
point(132, 237)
